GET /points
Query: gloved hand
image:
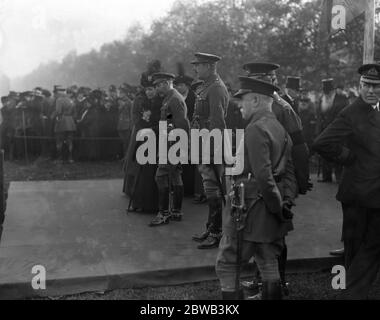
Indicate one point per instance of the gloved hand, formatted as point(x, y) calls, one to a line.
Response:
point(287, 206)
point(287, 213)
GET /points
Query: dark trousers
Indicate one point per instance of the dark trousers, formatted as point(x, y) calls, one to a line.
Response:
point(361, 235)
point(328, 168)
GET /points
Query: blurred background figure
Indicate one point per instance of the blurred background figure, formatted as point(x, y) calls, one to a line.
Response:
point(352, 95)
point(331, 103)
point(88, 126)
point(65, 126)
point(8, 130)
point(292, 91)
point(124, 125)
point(47, 144)
point(306, 111)
point(23, 125)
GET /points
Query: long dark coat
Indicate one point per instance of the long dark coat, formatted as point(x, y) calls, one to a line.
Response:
point(265, 153)
point(353, 140)
point(139, 181)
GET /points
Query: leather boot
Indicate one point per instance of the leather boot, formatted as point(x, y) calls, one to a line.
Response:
point(271, 290)
point(204, 235)
point(177, 203)
point(211, 242)
point(163, 216)
point(201, 237)
point(214, 224)
point(233, 295)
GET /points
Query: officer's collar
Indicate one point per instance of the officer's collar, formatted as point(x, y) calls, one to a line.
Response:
point(259, 114)
point(212, 78)
point(169, 94)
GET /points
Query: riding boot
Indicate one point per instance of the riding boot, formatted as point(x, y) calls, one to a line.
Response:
point(163, 215)
point(271, 290)
point(282, 259)
point(215, 224)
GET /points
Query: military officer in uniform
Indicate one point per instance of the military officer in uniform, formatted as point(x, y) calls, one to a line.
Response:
point(291, 122)
point(353, 140)
point(270, 188)
point(168, 176)
point(182, 84)
point(210, 109)
point(289, 119)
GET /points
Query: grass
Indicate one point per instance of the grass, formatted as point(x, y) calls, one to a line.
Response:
point(40, 170)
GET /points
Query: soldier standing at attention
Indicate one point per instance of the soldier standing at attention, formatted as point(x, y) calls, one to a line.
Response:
point(210, 109)
point(174, 111)
point(270, 186)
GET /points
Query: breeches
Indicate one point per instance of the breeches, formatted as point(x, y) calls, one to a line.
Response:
point(265, 254)
point(210, 179)
point(168, 172)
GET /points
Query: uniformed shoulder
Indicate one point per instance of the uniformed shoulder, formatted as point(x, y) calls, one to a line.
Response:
point(261, 127)
point(218, 88)
point(176, 98)
point(354, 109)
point(283, 108)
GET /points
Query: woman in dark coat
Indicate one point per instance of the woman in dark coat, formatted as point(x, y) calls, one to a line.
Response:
point(139, 181)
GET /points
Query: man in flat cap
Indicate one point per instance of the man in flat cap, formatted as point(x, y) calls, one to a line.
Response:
point(353, 140)
point(291, 122)
point(328, 108)
point(168, 176)
point(258, 228)
point(210, 109)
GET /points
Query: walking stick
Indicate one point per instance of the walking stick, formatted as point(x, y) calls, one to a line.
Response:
point(238, 207)
point(134, 189)
point(170, 195)
point(25, 141)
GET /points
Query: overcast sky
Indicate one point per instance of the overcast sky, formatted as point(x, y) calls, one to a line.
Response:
point(35, 31)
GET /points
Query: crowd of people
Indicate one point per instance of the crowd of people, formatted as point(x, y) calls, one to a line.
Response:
point(92, 124)
point(282, 130)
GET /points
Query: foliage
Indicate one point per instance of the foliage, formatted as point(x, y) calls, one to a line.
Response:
point(282, 31)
